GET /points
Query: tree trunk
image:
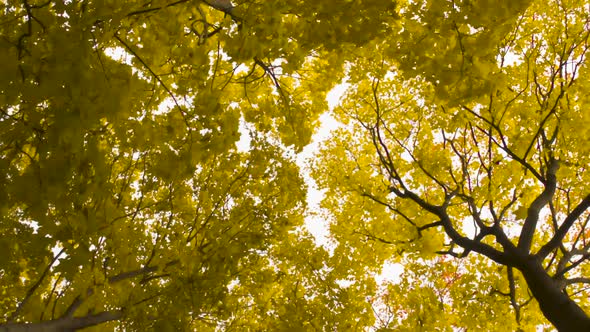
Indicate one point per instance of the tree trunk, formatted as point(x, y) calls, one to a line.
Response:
point(557, 307)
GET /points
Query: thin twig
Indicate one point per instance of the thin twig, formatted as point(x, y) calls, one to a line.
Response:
point(156, 77)
point(34, 287)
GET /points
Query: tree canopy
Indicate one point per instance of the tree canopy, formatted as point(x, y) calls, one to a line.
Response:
point(126, 202)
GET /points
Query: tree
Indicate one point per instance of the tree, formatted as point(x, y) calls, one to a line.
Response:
point(124, 199)
point(476, 153)
point(126, 203)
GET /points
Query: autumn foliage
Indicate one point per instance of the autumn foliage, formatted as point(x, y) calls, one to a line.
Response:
point(150, 180)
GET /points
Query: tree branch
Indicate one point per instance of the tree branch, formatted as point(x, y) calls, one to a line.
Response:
point(562, 270)
point(34, 287)
point(462, 241)
point(579, 280)
point(153, 9)
point(166, 88)
point(221, 5)
point(512, 285)
point(503, 145)
point(564, 228)
point(530, 224)
point(111, 280)
point(64, 323)
point(138, 272)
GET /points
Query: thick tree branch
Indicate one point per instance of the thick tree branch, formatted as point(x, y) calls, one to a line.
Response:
point(564, 228)
point(530, 223)
point(579, 280)
point(221, 5)
point(64, 323)
point(462, 241)
point(472, 245)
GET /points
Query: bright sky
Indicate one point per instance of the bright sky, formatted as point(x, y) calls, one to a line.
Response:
point(316, 225)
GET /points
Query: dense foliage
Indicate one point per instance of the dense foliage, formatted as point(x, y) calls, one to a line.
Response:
point(475, 153)
point(127, 204)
